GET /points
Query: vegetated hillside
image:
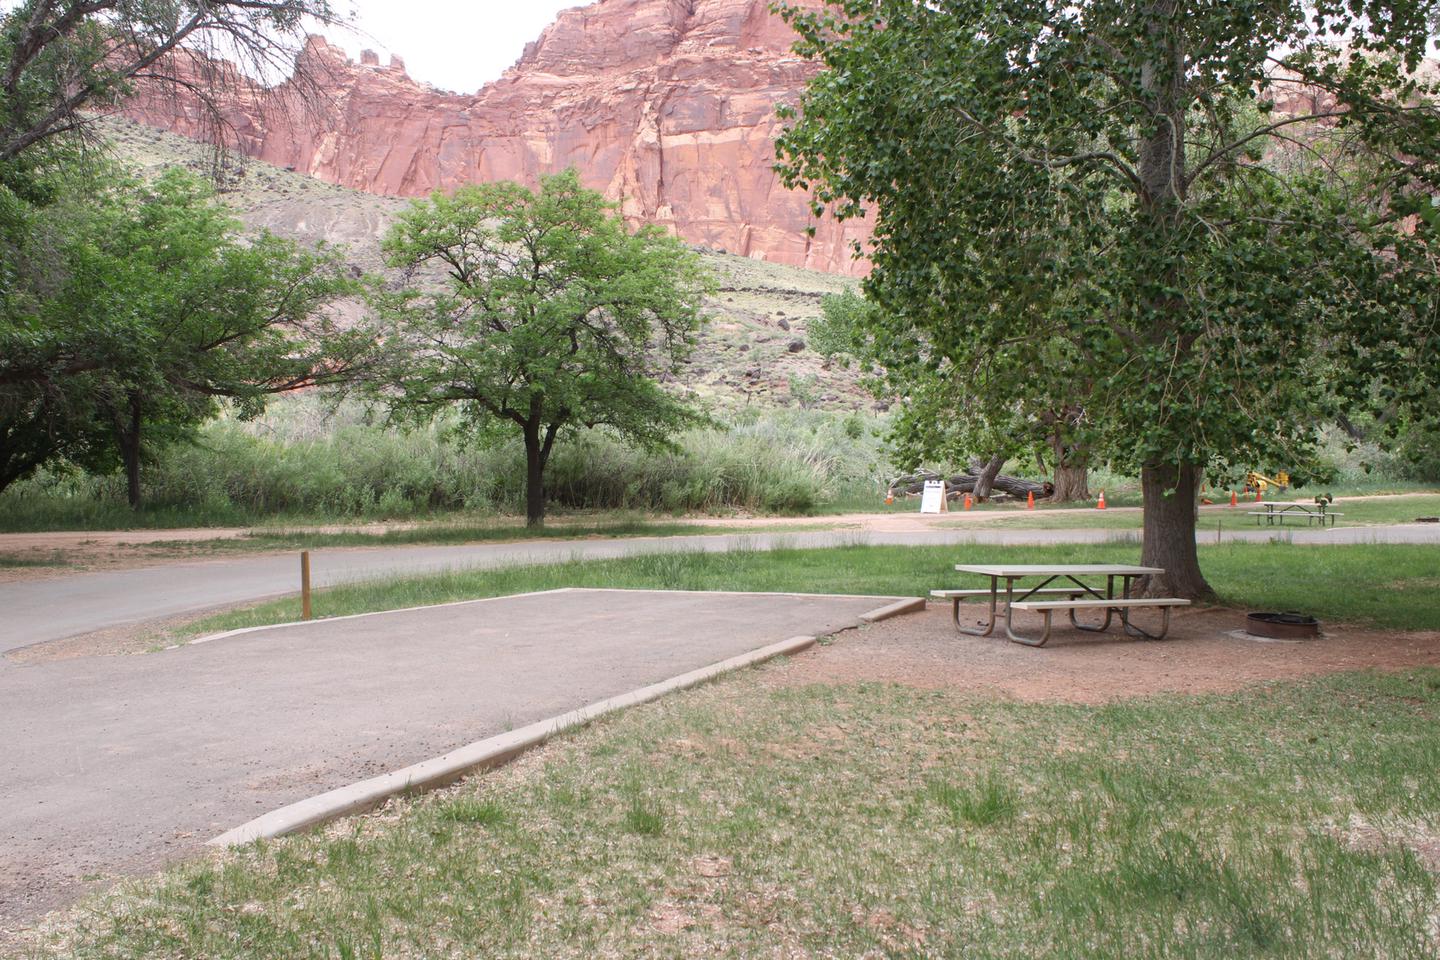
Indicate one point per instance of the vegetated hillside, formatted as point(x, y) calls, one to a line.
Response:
point(754, 351)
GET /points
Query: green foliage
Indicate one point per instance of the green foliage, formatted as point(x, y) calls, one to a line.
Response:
point(161, 312)
point(1097, 204)
point(842, 332)
point(551, 317)
point(293, 465)
point(60, 58)
point(1416, 453)
point(62, 286)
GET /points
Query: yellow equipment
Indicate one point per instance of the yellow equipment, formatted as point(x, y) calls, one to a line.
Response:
point(1255, 481)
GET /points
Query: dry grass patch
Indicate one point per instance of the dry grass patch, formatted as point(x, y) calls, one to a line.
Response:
point(863, 820)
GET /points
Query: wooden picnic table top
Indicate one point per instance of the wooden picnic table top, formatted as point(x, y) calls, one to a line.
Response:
point(1055, 570)
point(1294, 503)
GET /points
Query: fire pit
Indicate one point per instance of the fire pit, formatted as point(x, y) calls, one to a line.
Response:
point(1282, 626)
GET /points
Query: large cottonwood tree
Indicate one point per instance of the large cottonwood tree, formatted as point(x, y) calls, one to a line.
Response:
point(1209, 206)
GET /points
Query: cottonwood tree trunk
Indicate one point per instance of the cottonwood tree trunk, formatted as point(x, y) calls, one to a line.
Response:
point(1072, 472)
point(985, 474)
point(1071, 483)
point(1170, 518)
point(1169, 489)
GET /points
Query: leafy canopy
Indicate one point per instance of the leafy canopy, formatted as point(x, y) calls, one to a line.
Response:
point(1205, 208)
point(1004, 150)
point(162, 311)
point(86, 319)
point(547, 315)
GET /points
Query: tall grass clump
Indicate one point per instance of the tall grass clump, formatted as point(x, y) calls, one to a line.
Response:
point(306, 462)
point(790, 462)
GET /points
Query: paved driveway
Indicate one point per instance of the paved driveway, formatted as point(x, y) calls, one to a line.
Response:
point(117, 765)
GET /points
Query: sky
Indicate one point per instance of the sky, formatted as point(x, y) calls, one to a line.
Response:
point(452, 44)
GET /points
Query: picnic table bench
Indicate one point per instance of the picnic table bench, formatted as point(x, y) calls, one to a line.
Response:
point(1078, 594)
point(1275, 512)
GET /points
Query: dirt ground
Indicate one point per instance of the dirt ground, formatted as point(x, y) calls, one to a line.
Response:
point(124, 640)
point(1206, 651)
point(65, 553)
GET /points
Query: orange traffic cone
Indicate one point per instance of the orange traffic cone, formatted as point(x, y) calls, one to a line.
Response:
point(1101, 504)
point(1234, 500)
point(1030, 501)
point(1259, 494)
point(889, 497)
point(967, 501)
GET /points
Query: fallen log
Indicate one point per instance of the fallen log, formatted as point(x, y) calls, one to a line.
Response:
point(962, 483)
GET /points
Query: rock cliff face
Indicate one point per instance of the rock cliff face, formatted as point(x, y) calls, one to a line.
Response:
point(667, 106)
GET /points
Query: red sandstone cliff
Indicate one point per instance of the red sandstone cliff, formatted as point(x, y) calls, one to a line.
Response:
point(667, 106)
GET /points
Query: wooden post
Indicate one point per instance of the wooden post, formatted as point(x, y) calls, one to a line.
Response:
point(304, 584)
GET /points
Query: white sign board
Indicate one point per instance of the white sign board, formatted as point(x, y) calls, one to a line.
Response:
point(933, 500)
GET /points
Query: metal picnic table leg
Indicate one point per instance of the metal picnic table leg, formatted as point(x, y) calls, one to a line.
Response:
point(989, 628)
point(1109, 611)
point(1134, 631)
point(1009, 619)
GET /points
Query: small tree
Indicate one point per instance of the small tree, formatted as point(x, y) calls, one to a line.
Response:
point(62, 62)
point(551, 316)
point(164, 312)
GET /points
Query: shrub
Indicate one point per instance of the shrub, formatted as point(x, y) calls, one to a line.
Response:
point(304, 461)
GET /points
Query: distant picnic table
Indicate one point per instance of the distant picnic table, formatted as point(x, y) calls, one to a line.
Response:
point(1078, 584)
point(1275, 512)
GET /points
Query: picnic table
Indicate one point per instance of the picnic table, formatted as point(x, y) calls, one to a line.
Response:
point(1276, 511)
point(1079, 584)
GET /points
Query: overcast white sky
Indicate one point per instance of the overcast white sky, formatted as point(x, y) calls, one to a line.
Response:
point(454, 44)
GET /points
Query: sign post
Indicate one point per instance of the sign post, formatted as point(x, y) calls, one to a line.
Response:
point(304, 584)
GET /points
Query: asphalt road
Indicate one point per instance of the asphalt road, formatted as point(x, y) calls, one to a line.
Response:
point(118, 765)
point(39, 610)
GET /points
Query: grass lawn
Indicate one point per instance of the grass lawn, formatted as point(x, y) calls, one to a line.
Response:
point(752, 819)
point(1387, 585)
point(281, 538)
point(15, 560)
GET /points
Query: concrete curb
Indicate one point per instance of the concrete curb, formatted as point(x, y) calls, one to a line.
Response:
point(494, 751)
point(907, 605)
point(480, 755)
